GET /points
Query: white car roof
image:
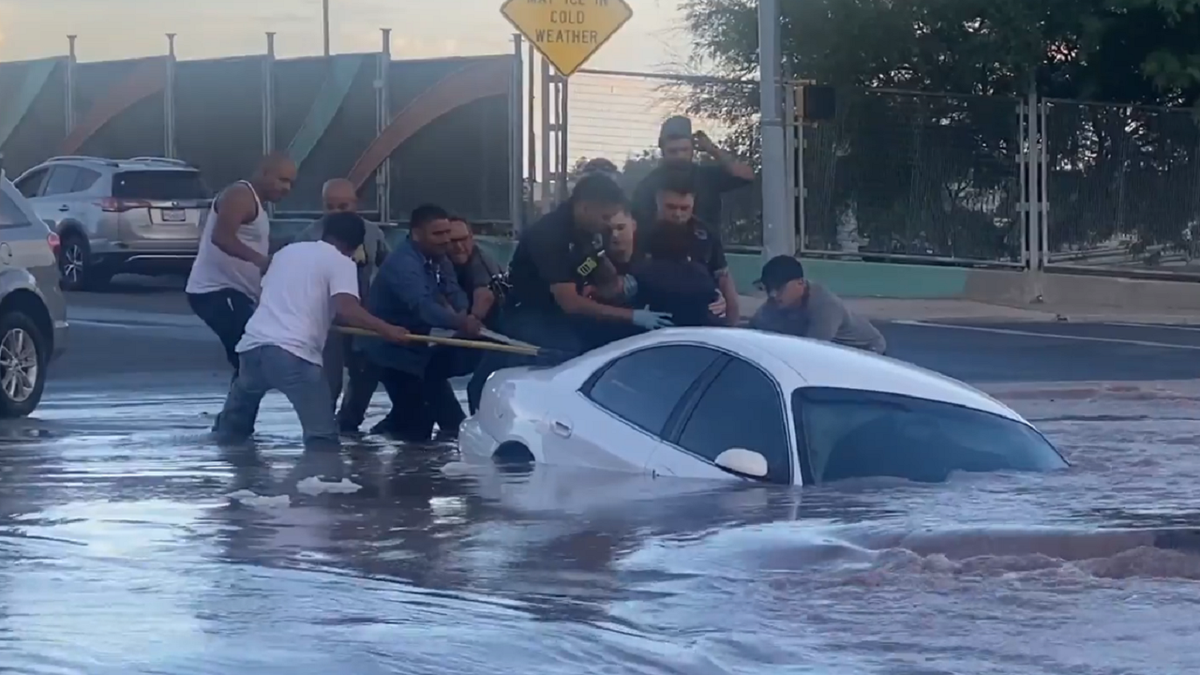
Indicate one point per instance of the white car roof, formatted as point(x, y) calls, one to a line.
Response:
point(818, 364)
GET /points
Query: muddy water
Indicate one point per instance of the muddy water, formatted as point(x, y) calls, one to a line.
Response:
point(129, 545)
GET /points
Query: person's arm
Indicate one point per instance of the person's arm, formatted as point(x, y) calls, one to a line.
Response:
point(731, 166)
point(407, 281)
point(236, 207)
point(555, 271)
point(350, 312)
point(719, 266)
point(348, 309)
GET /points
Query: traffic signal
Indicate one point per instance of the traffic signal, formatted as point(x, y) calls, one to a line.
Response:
point(815, 102)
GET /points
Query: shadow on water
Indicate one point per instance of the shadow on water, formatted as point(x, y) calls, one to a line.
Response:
point(130, 544)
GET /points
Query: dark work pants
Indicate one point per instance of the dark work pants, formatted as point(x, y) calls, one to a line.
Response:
point(341, 359)
point(225, 313)
point(419, 401)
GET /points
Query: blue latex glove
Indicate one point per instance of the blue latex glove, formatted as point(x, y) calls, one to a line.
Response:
point(644, 318)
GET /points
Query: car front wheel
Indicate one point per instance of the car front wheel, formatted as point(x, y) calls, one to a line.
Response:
point(22, 365)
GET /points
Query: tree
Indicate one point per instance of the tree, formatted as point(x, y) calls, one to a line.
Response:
point(901, 167)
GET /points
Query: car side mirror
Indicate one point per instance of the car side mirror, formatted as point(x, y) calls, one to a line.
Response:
point(743, 462)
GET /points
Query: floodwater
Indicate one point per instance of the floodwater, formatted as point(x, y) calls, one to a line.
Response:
point(129, 545)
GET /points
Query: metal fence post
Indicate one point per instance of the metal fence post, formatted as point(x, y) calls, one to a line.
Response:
point(70, 83)
point(544, 181)
point(383, 117)
point(1032, 167)
point(1025, 203)
point(268, 102)
point(1044, 188)
point(531, 171)
point(516, 129)
point(564, 117)
point(169, 101)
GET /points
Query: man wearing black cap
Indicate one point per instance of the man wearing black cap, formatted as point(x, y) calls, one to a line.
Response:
point(679, 144)
point(799, 307)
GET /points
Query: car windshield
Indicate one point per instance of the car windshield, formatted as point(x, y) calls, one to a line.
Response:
point(160, 185)
point(862, 434)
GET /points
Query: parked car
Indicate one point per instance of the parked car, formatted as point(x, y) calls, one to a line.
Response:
point(140, 215)
point(740, 404)
point(33, 313)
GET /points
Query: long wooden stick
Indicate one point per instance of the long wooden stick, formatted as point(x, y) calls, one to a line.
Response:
point(448, 342)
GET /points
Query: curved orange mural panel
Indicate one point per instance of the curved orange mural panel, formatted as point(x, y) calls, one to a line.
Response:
point(147, 78)
point(457, 89)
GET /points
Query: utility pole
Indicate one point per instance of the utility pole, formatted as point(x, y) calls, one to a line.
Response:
point(779, 234)
point(325, 23)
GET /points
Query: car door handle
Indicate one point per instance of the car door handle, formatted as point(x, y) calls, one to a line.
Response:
point(561, 428)
point(64, 207)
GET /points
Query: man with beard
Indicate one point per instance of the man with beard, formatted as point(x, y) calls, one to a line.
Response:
point(342, 352)
point(485, 282)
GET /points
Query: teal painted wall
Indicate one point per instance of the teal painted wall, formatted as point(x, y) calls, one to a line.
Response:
point(848, 278)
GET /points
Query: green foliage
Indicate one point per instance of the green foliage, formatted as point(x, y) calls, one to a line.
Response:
point(942, 169)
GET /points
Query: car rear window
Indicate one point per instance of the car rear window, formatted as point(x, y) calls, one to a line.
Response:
point(159, 185)
point(864, 434)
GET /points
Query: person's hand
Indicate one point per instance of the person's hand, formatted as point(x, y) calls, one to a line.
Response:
point(718, 307)
point(589, 292)
point(649, 320)
point(471, 326)
point(704, 143)
point(396, 333)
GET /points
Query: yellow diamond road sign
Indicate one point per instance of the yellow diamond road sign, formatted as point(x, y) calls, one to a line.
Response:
point(567, 32)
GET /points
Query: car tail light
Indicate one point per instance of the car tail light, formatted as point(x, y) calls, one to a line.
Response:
point(55, 243)
point(112, 205)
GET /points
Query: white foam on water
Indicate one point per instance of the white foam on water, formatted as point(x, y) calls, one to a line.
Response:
point(314, 486)
point(250, 498)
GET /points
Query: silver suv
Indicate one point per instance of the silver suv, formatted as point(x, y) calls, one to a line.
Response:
point(140, 215)
point(33, 314)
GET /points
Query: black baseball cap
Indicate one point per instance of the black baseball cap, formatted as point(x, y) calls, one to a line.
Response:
point(779, 271)
point(674, 128)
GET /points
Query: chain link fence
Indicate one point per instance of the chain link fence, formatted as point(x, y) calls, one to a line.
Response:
point(1123, 186)
point(617, 115)
point(906, 174)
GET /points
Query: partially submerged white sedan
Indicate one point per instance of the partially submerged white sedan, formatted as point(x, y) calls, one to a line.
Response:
point(731, 403)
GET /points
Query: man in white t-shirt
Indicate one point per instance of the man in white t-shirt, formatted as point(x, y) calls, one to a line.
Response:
point(307, 285)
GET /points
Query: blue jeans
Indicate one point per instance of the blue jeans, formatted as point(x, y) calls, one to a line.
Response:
point(303, 383)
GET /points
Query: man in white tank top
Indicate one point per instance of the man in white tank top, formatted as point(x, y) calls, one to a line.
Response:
point(226, 279)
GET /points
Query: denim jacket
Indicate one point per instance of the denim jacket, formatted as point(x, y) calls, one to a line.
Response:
point(419, 294)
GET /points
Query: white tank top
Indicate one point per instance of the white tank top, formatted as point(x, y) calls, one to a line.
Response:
point(216, 270)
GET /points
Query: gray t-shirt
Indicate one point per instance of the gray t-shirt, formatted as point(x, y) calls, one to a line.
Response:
point(822, 316)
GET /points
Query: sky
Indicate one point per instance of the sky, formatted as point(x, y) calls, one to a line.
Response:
point(112, 29)
point(612, 116)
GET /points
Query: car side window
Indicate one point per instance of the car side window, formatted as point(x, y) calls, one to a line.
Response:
point(84, 180)
point(863, 434)
point(62, 181)
point(29, 185)
point(742, 408)
point(643, 388)
point(11, 215)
